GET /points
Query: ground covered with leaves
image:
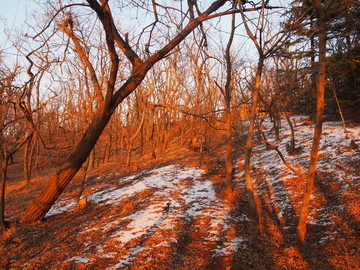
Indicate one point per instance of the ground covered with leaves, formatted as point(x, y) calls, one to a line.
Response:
point(175, 213)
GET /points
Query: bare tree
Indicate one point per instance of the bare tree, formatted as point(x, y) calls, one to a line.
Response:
point(111, 97)
point(263, 53)
point(227, 93)
point(135, 135)
point(266, 44)
point(320, 11)
point(15, 128)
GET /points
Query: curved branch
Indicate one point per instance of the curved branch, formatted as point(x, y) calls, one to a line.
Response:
point(67, 28)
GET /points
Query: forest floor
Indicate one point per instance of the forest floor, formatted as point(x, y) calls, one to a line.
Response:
point(174, 212)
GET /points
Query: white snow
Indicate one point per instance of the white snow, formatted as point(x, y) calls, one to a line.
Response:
point(195, 195)
point(61, 207)
point(80, 259)
point(230, 246)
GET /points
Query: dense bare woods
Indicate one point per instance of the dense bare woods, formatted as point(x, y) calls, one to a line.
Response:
point(107, 100)
point(103, 80)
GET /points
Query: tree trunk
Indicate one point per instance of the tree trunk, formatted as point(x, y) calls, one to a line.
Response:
point(274, 147)
point(228, 95)
point(277, 121)
point(292, 133)
point(141, 148)
point(152, 137)
point(321, 82)
point(340, 110)
point(83, 180)
point(28, 156)
point(27, 162)
point(132, 139)
point(108, 147)
point(249, 141)
point(122, 145)
point(4, 164)
point(43, 202)
point(45, 199)
point(91, 164)
point(229, 150)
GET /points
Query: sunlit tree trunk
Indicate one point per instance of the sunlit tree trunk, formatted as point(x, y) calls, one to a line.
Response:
point(266, 45)
point(91, 164)
point(152, 135)
point(249, 140)
point(45, 199)
point(321, 83)
point(27, 161)
point(4, 164)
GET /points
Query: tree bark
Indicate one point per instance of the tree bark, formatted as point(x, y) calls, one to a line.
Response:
point(132, 139)
point(292, 132)
point(28, 157)
point(4, 164)
point(228, 94)
point(91, 164)
point(321, 83)
point(249, 141)
point(27, 162)
point(83, 180)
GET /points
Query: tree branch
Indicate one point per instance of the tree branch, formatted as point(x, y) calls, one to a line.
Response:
point(105, 16)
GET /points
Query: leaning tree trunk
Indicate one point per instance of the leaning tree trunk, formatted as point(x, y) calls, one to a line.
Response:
point(46, 198)
point(43, 202)
point(321, 82)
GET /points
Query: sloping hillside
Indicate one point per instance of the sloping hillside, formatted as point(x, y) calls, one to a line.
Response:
point(175, 214)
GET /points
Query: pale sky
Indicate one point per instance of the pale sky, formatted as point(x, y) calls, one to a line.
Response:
point(12, 15)
point(13, 10)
